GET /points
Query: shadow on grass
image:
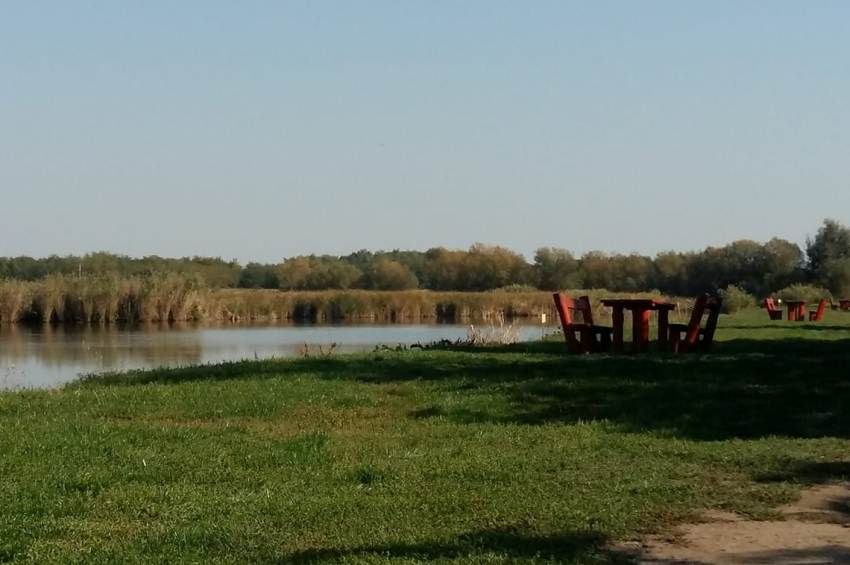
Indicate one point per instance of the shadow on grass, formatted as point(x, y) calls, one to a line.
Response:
point(822, 554)
point(807, 472)
point(790, 326)
point(506, 544)
point(744, 388)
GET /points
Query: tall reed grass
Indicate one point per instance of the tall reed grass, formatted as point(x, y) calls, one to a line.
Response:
point(176, 298)
point(103, 299)
point(15, 298)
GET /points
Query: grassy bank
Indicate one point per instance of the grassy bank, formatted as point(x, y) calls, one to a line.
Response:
point(173, 298)
point(520, 454)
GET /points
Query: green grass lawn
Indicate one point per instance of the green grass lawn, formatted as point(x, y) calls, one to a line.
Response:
point(513, 454)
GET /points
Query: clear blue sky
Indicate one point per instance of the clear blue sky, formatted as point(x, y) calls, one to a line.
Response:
point(259, 130)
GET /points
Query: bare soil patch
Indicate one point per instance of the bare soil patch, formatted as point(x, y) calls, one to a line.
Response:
point(816, 529)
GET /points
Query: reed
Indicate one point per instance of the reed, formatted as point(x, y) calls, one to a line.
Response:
point(15, 298)
point(411, 306)
point(176, 298)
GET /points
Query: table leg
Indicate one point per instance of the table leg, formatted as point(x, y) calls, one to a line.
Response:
point(640, 330)
point(792, 313)
point(617, 323)
point(801, 313)
point(663, 328)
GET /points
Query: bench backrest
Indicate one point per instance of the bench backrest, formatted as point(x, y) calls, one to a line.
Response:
point(565, 307)
point(770, 305)
point(820, 311)
point(704, 303)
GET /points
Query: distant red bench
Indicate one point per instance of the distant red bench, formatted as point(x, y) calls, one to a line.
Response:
point(691, 337)
point(844, 304)
point(774, 311)
point(585, 337)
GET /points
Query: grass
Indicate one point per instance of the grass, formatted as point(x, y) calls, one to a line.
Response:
point(509, 454)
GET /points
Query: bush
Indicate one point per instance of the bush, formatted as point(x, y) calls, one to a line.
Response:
point(735, 298)
point(807, 292)
point(837, 277)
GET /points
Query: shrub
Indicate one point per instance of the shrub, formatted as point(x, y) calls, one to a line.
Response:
point(809, 293)
point(837, 277)
point(735, 298)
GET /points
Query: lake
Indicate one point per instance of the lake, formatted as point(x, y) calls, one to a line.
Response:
point(50, 356)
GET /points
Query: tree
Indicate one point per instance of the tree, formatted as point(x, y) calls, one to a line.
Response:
point(386, 274)
point(556, 269)
point(257, 275)
point(837, 277)
point(827, 253)
point(317, 273)
point(671, 272)
point(782, 265)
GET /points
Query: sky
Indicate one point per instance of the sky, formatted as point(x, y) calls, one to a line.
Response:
point(262, 130)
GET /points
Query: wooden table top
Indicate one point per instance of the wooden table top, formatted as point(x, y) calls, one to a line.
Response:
point(793, 302)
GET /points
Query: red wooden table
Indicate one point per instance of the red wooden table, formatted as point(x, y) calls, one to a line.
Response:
point(640, 309)
point(844, 304)
point(796, 310)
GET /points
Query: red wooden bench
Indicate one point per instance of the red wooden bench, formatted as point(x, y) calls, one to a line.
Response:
point(817, 315)
point(582, 337)
point(690, 336)
point(773, 310)
point(844, 304)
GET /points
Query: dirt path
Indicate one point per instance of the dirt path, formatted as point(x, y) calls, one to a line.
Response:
point(816, 530)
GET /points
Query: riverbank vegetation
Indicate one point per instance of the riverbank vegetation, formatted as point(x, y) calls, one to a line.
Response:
point(520, 454)
point(175, 298)
point(756, 268)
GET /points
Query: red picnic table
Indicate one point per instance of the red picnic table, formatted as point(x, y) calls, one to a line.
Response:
point(796, 310)
point(640, 309)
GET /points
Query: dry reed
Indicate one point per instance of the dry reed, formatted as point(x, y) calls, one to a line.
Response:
point(176, 298)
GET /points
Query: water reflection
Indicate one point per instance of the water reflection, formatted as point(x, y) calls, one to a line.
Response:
point(47, 356)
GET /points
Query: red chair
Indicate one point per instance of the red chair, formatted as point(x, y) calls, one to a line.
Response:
point(817, 315)
point(582, 337)
point(773, 310)
point(692, 337)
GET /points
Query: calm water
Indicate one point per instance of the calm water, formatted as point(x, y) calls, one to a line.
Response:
point(42, 357)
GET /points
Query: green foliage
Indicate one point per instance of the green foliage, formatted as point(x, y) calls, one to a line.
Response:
point(735, 299)
point(624, 273)
point(214, 271)
point(807, 292)
point(757, 268)
point(483, 267)
point(387, 274)
point(556, 269)
point(831, 245)
point(836, 276)
point(317, 273)
point(257, 275)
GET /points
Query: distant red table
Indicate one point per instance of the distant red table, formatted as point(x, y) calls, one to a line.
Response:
point(844, 304)
point(796, 310)
point(640, 309)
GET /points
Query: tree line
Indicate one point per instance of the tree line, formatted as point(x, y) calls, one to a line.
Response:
point(759, 268)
